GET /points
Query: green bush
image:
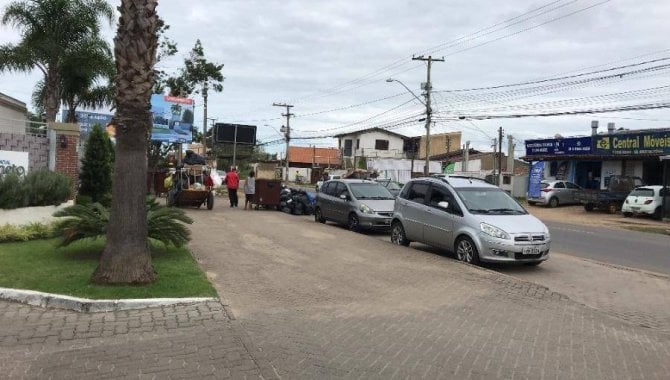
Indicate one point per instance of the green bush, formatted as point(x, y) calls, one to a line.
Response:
point(38, 188)
point(45, 188)
point(89, 221)
point(32, 231)
point(12, 194)
point(96, 169)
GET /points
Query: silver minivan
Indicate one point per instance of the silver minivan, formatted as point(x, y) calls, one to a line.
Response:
point(357, 203)
point(470, 217)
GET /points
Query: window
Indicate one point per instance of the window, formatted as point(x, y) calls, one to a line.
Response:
point(417, 192)
point(340, 189)
point(559, 185)
point(347, 148)
point(553, 168)
point(438, 194)
point(329, 188)
point(381, 145)
point(572, 186)
point(358, 143)
point(507, 180)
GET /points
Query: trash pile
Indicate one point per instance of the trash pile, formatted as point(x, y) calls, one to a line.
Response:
point(297, 201)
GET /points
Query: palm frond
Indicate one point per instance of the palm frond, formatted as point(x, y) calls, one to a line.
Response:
point(81, 222)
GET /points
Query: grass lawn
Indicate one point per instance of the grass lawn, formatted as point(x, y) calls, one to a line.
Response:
point(39, 265)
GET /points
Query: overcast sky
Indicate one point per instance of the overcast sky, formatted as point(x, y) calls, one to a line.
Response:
point(328, 55)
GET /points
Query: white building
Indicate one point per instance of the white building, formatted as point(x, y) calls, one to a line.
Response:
point(13, 115)
point(371, 143)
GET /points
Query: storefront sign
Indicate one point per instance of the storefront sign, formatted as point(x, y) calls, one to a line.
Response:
point(14, 162)
point(633, 143)
point(557, 147)
point(535, 179)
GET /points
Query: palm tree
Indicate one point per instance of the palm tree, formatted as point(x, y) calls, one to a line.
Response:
point(87, 78)
point(126, 257)
point(50, 30)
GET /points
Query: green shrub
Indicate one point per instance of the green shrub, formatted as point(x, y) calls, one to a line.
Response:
point(96, 169)
point(45, 188)
point(89, 221)
point(32, 231)
point(38, 188)
point(12, 194)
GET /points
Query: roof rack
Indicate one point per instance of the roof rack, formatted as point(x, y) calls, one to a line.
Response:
point(446, 178)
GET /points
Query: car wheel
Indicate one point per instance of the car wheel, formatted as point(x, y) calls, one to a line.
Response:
point(466, 251)
point(533, 264)
point(658, 215)
point(318, 217)
point(612, 208)
point(210, 201)
point(531, 203)
point(589, 207)
point(553, 202)
point(398, 236)
point(354, 223)
point(627, 214)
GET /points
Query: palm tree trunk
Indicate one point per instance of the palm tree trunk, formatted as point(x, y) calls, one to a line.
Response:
point(52, 94)
point(126, 257)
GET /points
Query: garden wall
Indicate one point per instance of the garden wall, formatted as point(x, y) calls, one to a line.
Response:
point(36, 146)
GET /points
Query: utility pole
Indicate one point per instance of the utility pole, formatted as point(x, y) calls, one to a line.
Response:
point(429, 111)
point(287, 131)
point(500, 138)
point(510, 154)
point(204, 119)
point(495, 159)
point(204, 146)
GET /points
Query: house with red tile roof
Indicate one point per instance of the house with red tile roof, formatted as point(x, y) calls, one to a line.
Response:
point(307, 157)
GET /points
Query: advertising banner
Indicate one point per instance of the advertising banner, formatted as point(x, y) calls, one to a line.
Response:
point(557, 147)
point(535, 179)
point(657, 142)
point(87, 120)
point(172, 119)
point(14, 162)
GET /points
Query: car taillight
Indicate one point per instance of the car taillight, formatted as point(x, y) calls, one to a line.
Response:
point(546, 190)
point(648, 201)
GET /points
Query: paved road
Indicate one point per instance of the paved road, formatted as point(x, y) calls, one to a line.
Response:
point(615, 246)
point(323, 302)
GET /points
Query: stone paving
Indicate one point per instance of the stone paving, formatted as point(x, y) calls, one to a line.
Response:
point(322, 302)
point(167, 342)
point(306, 300)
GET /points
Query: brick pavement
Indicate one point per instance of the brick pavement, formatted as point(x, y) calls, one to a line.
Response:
point(182, 341)
point(322, 302)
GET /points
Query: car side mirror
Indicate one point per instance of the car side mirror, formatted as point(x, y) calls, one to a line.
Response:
point(344, 196)
point(443, 204)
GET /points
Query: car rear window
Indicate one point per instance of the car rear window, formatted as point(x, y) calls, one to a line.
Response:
point(544, 185)
point(642, 192)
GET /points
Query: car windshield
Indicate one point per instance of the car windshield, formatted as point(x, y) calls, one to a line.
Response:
point(369, 191)
point(389, 184)
point(489, 201)
point(642, 192)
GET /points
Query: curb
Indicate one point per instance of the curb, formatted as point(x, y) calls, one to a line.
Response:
point(85, 305)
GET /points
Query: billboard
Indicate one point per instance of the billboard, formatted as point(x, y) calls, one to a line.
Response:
point(656, 142)
point(172, 119)
point(235, 133)
point(87, 120)
point(557, 147)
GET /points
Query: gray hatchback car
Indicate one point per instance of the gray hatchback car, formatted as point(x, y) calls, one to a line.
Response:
point(360, 204)
point(470, 217)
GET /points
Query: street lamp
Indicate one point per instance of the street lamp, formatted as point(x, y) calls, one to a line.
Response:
point(426, 169)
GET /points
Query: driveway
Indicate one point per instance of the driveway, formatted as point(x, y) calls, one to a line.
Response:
point(322, 302)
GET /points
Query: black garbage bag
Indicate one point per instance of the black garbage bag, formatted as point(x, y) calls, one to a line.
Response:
point(192, 158)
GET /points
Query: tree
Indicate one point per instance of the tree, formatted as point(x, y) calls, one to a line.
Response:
point(87, 78)
point(166, 48)
point(197, 76)
point(50, 30)
point(96, 171)
point(126, 257)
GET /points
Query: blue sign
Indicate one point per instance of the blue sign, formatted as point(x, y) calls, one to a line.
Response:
point(172, 119)
point(535, 179)
point(87, 120)
point(558, 147)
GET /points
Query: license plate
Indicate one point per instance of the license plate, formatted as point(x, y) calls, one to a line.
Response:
point(635, 208)
point(531, 250)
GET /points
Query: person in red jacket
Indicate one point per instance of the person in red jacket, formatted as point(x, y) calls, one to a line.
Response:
point(232, 183)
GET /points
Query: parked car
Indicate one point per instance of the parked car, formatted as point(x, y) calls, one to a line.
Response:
point(554, 193)
point(612, 198)
point(392, 186)
point(647, 200)
point(359, 204)
point(477, 221)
